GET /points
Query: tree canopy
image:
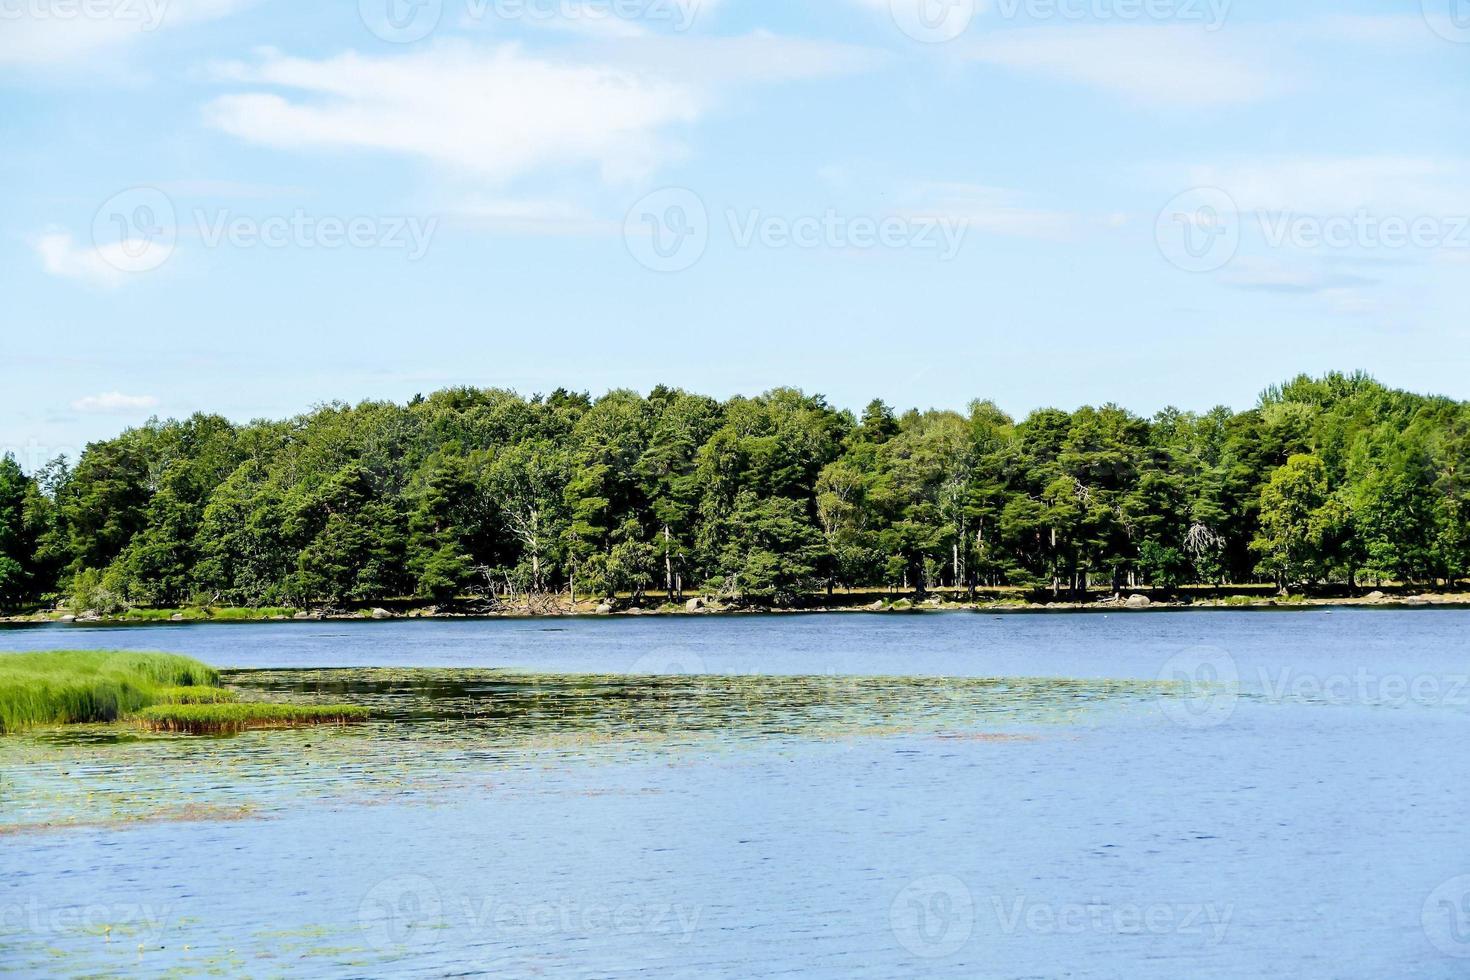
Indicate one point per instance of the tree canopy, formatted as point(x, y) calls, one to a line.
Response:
point(764, 500)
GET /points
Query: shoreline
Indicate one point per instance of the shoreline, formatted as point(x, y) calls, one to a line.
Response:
point(1134, 603)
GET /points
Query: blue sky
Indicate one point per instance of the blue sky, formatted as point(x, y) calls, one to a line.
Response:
point(252, 206)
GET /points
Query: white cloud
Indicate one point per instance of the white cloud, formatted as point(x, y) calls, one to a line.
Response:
point(1155, 65)
point(499, 112)
point(113, 403)
point(106, 267)
point(54, 35)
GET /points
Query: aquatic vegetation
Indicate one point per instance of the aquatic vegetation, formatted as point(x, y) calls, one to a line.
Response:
point(68, 686)
point(195, 695)
point(434, 732)
point(229, 718)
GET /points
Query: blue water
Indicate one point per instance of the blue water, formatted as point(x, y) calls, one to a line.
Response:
point(1300, 810)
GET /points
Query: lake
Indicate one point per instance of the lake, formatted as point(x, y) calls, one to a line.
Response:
point(1204, 794)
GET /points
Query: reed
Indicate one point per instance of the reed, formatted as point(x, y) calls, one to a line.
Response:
point(228, 719)
point(66, 686)
point(195, 695)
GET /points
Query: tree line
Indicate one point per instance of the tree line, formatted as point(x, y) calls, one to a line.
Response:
point(766, 500)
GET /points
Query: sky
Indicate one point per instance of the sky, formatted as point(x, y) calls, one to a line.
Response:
point(254, 206)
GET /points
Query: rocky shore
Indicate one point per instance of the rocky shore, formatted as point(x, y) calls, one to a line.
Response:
point(1135, 602)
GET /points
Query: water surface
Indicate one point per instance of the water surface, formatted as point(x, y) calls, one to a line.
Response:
point(1188, 794)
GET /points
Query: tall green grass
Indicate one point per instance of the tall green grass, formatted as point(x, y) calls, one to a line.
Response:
point(64, 686)
point(227, 719)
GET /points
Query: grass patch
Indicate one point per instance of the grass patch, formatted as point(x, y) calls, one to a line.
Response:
point(195, 695)
point(227, 719)
point(65, 686)
point(201, 614)
point(233, 614)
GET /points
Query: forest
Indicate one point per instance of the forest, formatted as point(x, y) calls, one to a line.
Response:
point(482, 495)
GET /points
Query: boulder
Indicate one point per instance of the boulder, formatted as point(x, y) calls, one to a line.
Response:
point(694, 605)
point(604, 608)
point(176, 618)
point(68, 618)
point(1375, 596)
point(381, 614)
point(302, 615)
point(1139, 602)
